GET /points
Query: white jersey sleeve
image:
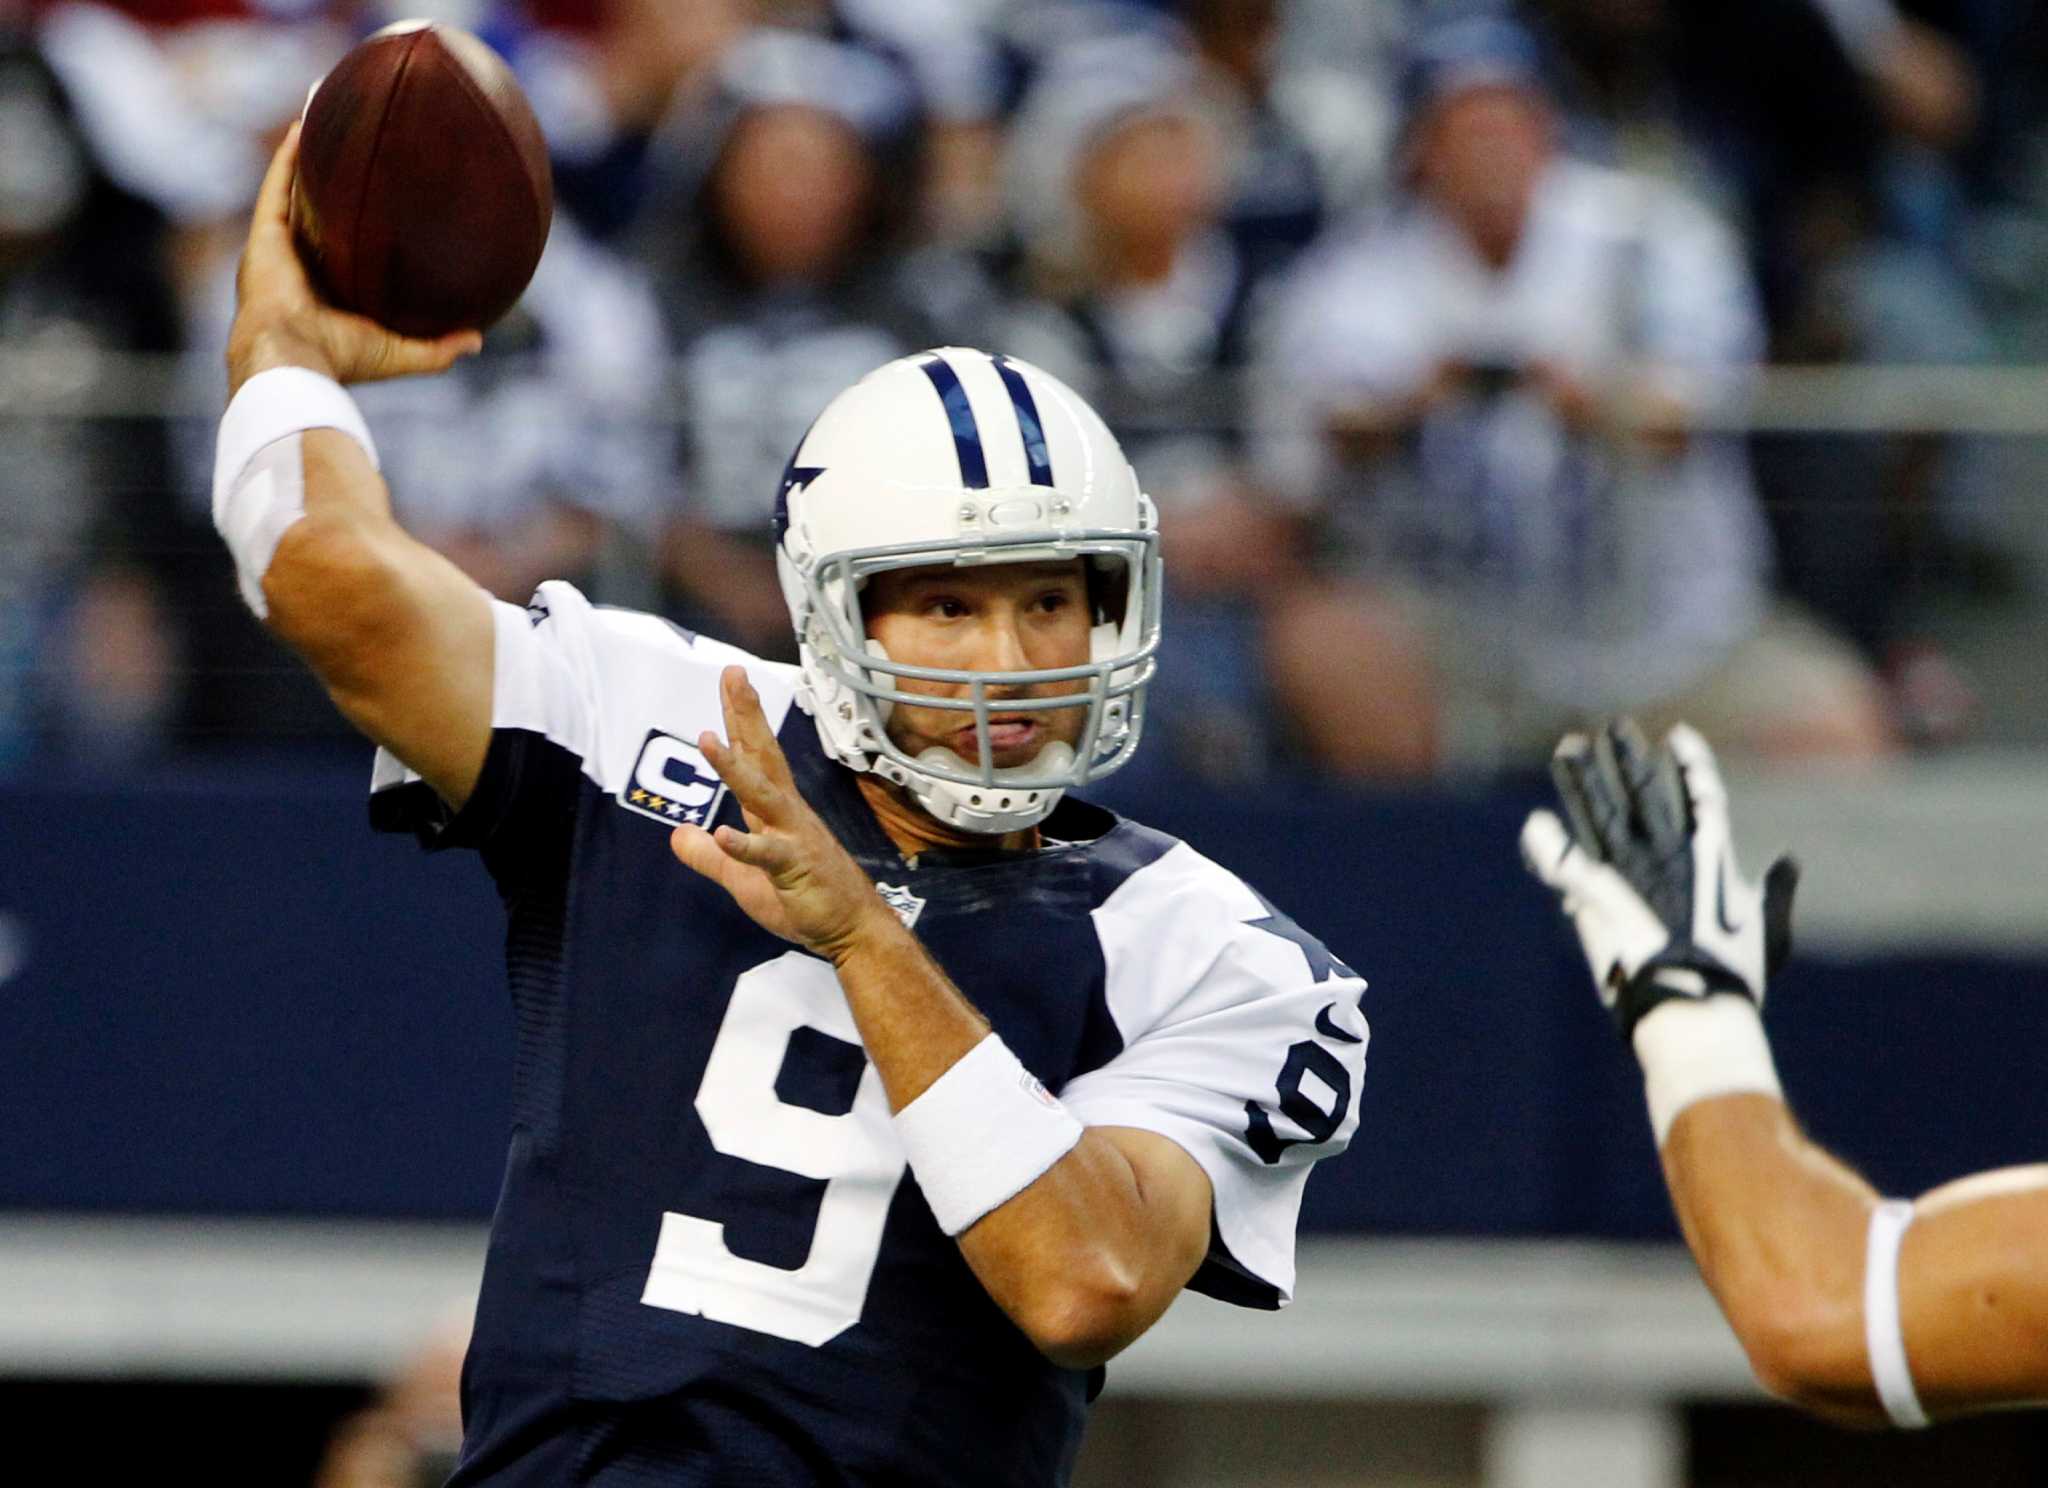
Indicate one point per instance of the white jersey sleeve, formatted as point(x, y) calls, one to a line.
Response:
point(581, 696)
point(1244, 1043)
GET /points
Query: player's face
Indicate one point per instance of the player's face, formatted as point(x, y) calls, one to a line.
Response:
point(1009, 617)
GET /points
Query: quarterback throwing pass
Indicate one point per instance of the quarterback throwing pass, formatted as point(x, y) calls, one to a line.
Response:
point(849, 1151)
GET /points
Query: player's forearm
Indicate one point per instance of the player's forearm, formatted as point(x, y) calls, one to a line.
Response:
point(1778, 1228)
point(914, 1023)
point(336, 582)
point(401, 639)
point(1067, 1257)
point(1080, 1260)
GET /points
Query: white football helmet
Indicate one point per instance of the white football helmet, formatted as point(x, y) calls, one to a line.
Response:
point(955, 456)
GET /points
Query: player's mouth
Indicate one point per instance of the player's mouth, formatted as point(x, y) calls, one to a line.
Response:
point(1007, 738)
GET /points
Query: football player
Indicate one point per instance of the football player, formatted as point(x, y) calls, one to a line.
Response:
point(1858, 1307)
point(852, 1156)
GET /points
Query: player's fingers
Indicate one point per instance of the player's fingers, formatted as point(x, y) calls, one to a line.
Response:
point(760, 797)
point(746, 723)
point(769, 851)
point(1569, 764)
point(1636, 764)
point(695, 850)
point(1609, 787)
point(1656, 792)
point(1702, 773)
point(1547, 849)
point(274, 196)
point(1780, 881)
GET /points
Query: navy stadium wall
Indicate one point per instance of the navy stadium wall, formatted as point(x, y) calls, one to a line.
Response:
point(224, 995)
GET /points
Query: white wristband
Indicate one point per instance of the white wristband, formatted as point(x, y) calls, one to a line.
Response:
point(1882, 1336)
point(1693, 1049)
point(982, 1133)
point(259, 486)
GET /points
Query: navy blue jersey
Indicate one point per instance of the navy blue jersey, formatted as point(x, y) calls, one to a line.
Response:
point(709, 1262)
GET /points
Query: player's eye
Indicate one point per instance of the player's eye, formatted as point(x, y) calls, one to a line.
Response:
point(945, 607)
point(1054, 600)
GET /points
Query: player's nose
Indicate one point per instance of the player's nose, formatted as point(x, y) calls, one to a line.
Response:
point(1002, 645)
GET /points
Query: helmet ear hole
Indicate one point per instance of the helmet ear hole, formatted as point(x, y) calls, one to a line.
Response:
point(1109, 590)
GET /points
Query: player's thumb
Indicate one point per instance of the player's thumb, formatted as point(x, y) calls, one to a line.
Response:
point(1781, 881)
point(375, 354)
point(414, 357)
point(698, 851)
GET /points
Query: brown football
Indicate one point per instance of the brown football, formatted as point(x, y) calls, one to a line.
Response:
point(423, 195)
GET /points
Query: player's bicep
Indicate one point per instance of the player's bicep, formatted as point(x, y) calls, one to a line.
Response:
point(400, 637)
point(1973, 1291)
point(1176, 1200)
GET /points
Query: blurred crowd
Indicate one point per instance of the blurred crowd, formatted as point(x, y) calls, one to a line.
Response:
point(1430, 326)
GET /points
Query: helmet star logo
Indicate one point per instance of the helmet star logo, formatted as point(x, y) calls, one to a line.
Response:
point(798, 477)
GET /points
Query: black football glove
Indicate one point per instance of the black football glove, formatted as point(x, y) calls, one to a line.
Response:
point(1647, 873)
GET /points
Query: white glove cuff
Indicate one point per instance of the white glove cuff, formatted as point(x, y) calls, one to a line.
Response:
point(1882, 1336)
point(1691, 1050)
point(259, 482)
point(982, 1133)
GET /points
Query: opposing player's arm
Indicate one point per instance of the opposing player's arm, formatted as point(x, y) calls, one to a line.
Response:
point(1855, 1308)
point(400, 638)
point(1780, 1229)
point(1083, 1235)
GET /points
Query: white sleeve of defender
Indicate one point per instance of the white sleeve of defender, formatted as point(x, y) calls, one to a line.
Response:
point(1243, 1043)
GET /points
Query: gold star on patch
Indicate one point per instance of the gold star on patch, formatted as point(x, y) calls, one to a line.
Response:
point(639, 795)
point(656, 802)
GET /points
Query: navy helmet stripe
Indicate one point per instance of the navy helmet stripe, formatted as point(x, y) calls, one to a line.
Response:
point(1036, 454)
point(960, 414)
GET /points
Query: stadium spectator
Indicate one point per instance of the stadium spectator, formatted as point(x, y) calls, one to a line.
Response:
point(948, 50)
point(602, 75)
point(1499, 382)
point(1857, 238)
point(176, 100)
point(1119, 163)
point(1311, 135)
point(778, 236)
point(88, 653)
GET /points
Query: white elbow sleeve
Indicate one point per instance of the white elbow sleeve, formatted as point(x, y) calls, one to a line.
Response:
point(259, 481)
point(1883, 1335)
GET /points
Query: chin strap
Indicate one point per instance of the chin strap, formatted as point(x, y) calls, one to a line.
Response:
point(1018, 799)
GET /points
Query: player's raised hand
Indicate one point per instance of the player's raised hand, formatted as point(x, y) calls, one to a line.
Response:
point(787, 870)
point(1647, 873)
point(280, 320)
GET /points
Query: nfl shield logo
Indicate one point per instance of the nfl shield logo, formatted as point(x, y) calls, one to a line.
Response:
point(906, 904)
